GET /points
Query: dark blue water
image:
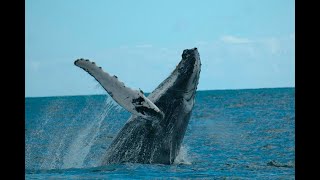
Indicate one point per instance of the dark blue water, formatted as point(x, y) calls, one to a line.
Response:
point(232, 134)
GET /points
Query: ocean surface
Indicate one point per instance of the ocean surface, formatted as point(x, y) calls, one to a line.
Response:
point(232, 134)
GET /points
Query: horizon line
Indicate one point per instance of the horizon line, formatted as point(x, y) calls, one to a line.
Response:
point(150, 92)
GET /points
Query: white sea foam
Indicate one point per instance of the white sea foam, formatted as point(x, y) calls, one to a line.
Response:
point(183, 157)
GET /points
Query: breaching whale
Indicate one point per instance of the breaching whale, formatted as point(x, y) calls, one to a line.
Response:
point(155, 130)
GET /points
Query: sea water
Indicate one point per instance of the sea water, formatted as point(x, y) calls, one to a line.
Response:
point(232, 134)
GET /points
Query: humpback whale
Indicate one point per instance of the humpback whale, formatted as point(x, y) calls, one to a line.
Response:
point(154, 132)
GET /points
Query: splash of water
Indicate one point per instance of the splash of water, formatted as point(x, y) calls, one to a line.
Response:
point(40, 132)
point(81, 145)
point(64, 137)
point(183, 157)
point(82, 140)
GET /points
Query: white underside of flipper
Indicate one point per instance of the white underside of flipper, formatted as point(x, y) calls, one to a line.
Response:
point(132, 100)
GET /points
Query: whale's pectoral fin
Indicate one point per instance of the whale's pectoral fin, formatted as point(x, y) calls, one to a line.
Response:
point(132, 100)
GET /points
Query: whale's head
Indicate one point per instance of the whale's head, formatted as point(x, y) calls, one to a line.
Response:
point(187, 73)
point(183, 81)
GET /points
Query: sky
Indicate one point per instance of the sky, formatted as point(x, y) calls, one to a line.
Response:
point(242, 44)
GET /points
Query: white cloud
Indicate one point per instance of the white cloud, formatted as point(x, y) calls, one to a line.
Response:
point(235, 40)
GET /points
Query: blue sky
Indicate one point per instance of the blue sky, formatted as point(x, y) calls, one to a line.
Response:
point(242, 44)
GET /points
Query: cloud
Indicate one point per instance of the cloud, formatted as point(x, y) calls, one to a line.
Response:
point(273, 45)
point(234, 40)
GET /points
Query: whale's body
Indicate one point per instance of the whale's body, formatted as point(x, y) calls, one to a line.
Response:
point(154, 132)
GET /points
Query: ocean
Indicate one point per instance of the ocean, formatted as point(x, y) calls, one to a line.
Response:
point(232, 134)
